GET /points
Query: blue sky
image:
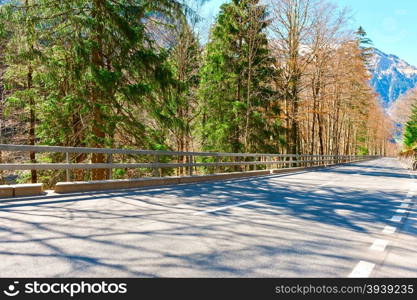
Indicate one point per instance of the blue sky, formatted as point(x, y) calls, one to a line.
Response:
point(391, 24)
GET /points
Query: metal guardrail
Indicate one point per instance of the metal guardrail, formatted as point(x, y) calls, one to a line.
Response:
point(267, 160)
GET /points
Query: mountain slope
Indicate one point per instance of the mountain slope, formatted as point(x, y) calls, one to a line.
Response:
point(391, 76)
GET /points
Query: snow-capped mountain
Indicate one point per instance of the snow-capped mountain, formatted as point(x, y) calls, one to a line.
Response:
point(391, 76)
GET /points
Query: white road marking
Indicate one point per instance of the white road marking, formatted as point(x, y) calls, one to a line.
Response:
point(405, 205)
point(407, 200)
point(362, 270)
point(379, 245)
point(396, 219)
point(343, 212)
point(401, 211)
point(324, 184)
point(389, 229)
point(224, 207)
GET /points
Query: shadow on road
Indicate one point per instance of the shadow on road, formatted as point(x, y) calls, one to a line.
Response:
point(121, 222)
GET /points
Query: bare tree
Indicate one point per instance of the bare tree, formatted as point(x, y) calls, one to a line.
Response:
point(293, 22)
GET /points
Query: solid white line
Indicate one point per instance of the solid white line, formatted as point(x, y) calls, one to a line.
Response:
point(396, 219)
point(405, 205)
point(379, 245)
point(389, 229)
point(362, 270)
point(401, 211)
point(224, 207)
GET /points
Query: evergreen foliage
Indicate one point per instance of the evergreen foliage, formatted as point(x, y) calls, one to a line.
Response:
point(410, 133)
point(134, 74)
point(239, 105)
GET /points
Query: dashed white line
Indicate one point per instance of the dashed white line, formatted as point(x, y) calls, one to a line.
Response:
point(396, 219)
point(225, 207)
point(362, 270)
point(379, 245)
point(405, 205)
point(389, 229)
point(324, 184)
point(401, 211)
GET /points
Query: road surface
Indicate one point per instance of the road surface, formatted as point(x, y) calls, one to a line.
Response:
point(355, 220)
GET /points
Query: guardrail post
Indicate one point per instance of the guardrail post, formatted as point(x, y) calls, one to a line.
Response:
point(155, 171)
point(217, 167)
point(110, 161)
point(67, 171)
point(190, 165)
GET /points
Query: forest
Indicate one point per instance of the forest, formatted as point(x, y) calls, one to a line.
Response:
point(278, 76)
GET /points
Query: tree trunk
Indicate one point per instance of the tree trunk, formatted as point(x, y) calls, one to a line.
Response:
point(96, 97)
point(32, 121)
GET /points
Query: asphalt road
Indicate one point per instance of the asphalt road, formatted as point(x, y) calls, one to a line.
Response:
point(334, 222)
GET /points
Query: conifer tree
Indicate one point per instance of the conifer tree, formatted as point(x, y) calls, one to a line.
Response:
point(236, 94)
point(365, 44)
point(100, 66)
point(410, 132)
point(185, 59)
point(22, 58)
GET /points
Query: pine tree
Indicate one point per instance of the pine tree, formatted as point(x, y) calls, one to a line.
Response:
point(410, 132)
point(22, 60)
point(100, 66)
point(185, 61)
point(236, 95)
point(365, 44)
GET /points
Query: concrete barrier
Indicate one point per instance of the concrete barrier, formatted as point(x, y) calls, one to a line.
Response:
point(86, 186)
point(27, 189)
point(222, 176)
point(100, 185)
point(6, 191)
